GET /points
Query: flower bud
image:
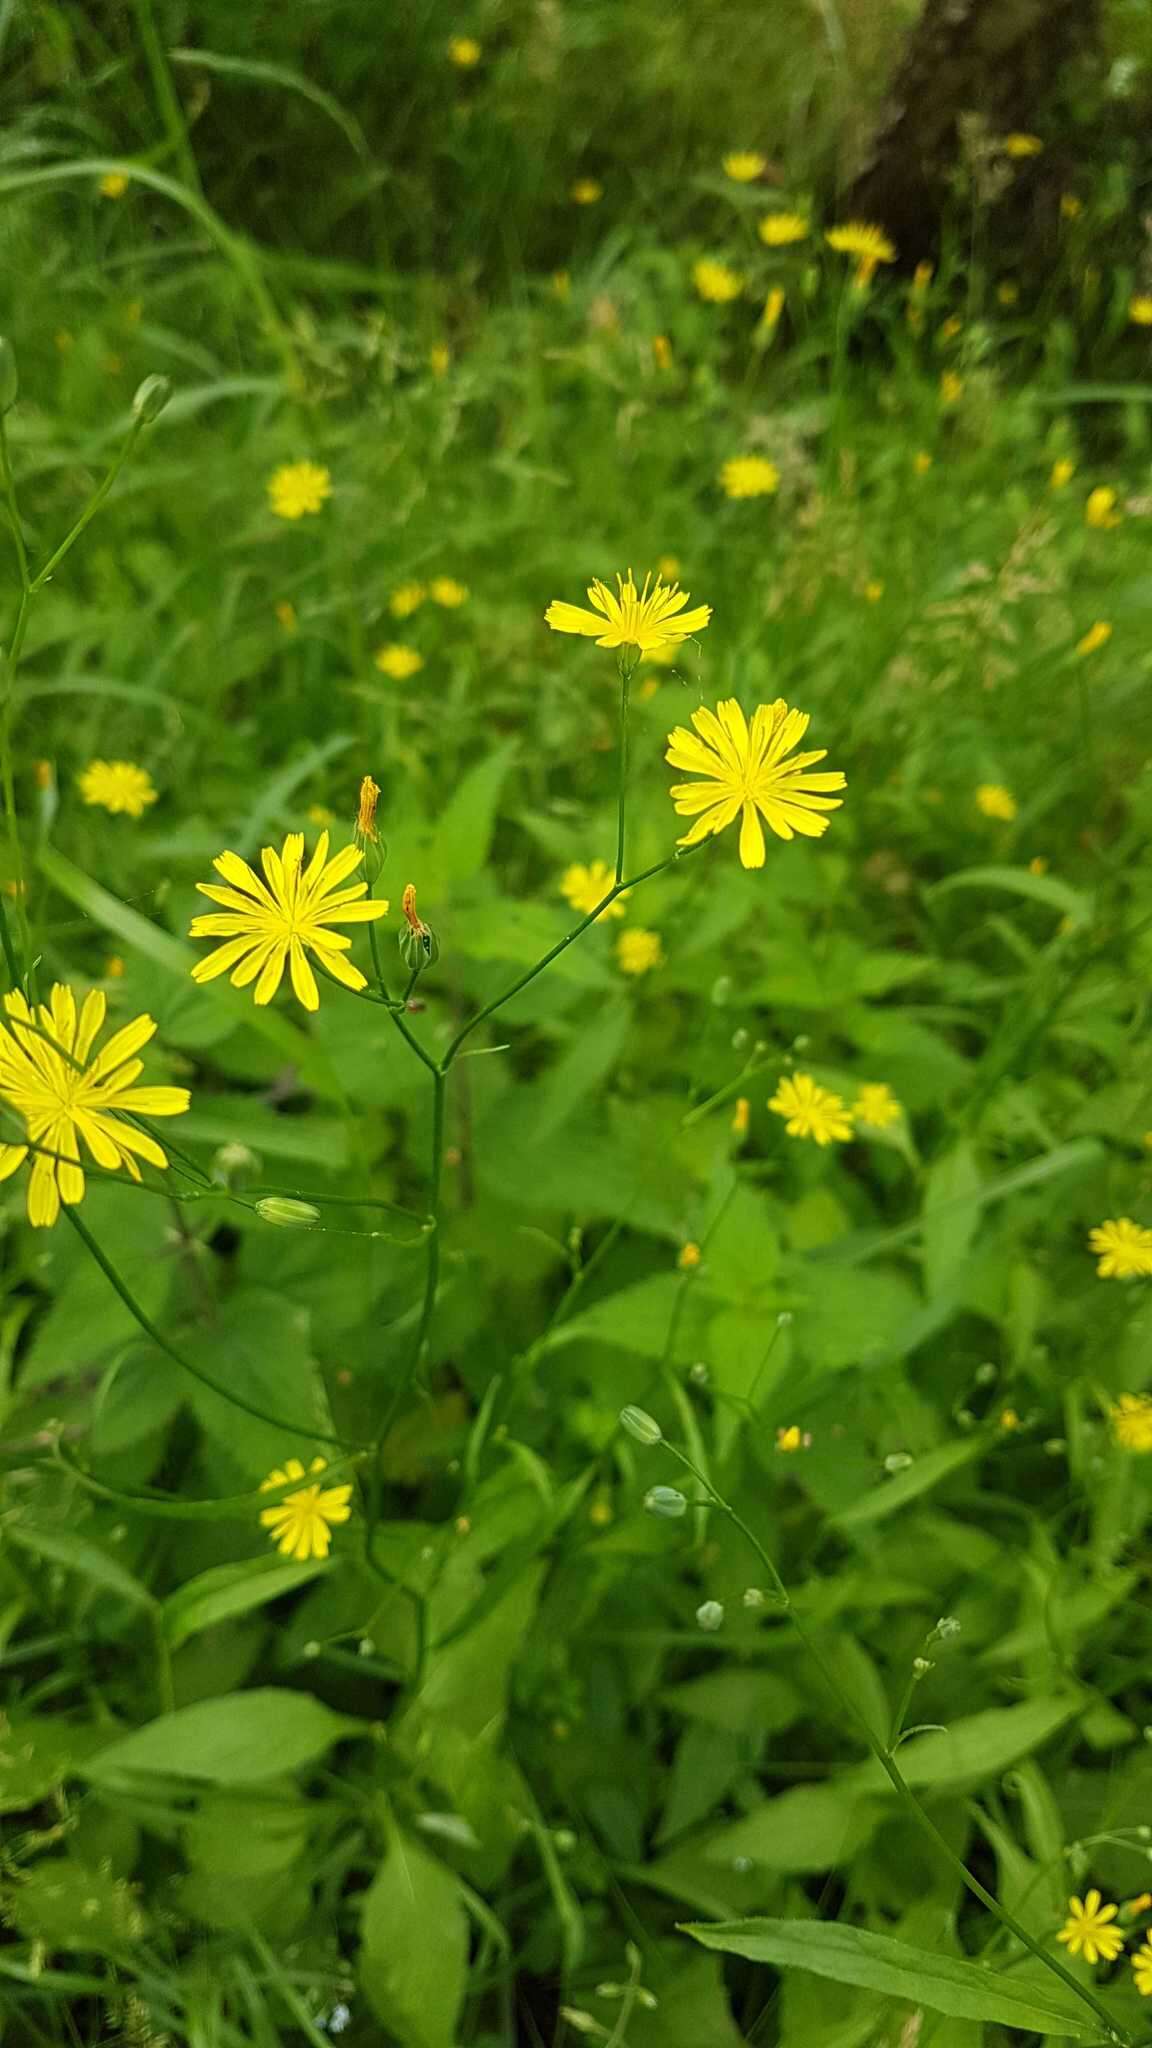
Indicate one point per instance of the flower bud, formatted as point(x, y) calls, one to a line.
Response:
point(710, 1616)
point(287, 1213)
point(753, 1596)
point(9, 375)
point(667, 1502)
point(419, 946)
point(151, 398)
point(641, 1425)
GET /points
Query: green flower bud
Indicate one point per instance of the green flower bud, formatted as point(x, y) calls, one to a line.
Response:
point(419, 946)
point(9, 375)
point(710, 1616)
point(667, 1502)
point(641, 1425)
point(151, 398)
point(288, 1214)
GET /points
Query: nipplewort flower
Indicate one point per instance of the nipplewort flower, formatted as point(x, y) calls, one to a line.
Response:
point(1086, 1931)
point(301, 1524)
point(275, 921)
point(748, 775)
point(648, 619)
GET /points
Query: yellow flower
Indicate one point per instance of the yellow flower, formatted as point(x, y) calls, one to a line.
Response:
point(873, 590)
point(114, 968)
point(1140, 309)
point(811, 1111)
point(777, 230)
point(319, 814)
point(1021, 146)
point(921, 462)
point(773, 307)
point(650, 619)
point(1100, 507)
point(300, 1525)
point(62, 1094)
point(749, 476)
point(876, 1105)
point(1038, 865)
point(1142, 1969)
point(688, 1257)
point(286, 615)
point(398, 662)
point(407, 599)
point(464, 51)
point(1070, 207)
point(869, 244)
point(950, 328)
point(297, 488)
point(1139, 1904)
point(744, 165)
point(118, 786)
point(277, 921)
point(1009, 1420)
point(748, 775)
point(792, 1439)
point(638, 951)
point(661, 351)
point(444, 590)
point(716, 282)
point(585, 887)
point(741, 1116)
point(996, 802)
point(921, 279)
point(586, 192)
point(439, 358)
point(1098, 635)
point(1132, 1428)
point(951, 388)
point(1063, 471)
point(668, 568)
point(1123, 1249)
point(113, 185)
point(1086, 1931)
point(1008, 293)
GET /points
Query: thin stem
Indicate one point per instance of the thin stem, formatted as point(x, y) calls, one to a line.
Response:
point(414, 1042)
point(90, 510)
point(8, 485)
point(7, 779)
point(171, 112)
point(626, 668)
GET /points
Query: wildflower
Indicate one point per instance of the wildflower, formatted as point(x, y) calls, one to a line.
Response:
point(1142, 1969)
point(1008, 292)
point(439, 358)
point(661, 351)
point(444, 590)
point(811, 1111)
point(777, 230)
point(1139, 1904)
point(668, 568)
point(876, 1105)
point(1070, 207)
point(300, 1525)
point(1100, 507)
point(749, 476)
point(586, 192)
point(638, 951)
point(744, 165)
point(286, 615)
point(1098, 635)
point(741, 1116)
point(1086, 1931)
point(1009, 1420)
point(747, 774)
point(716, 282)
point(873, 590)
point(869, 244)
point(1062, 472)
point(585, 887)
point(398, 661)
point(1038, 865)
point(464, 52)
point(62, 1094)
point(650, 620)
point(1123, 1248)
point(950, 328)
point(276, 921)
point(43, 774)
point(688, 1257)
point(366, 813)
point(770, 318)
point(1021, 146)
point(792, 1439)
point(297, 488)
point(319, 814)
point(1140, 309)
point(118, 786)
point(406, 599)
point(921, 279)
point(114, 968)
point(921, 462)
point(1131, 1418)
point(951, 388)
point(113, 185)
point(996, 802)
point(419, 946)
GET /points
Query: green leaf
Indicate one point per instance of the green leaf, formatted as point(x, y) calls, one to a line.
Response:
point(973, 1750)
point(810, 1828)
point(62, 1546)
point(414, 1947)
point(239, 1739)
point(259, 72)
point(462, 839)
point(36, 1756)
point(1044, 889)
point(919, 1478)
point(230, 1589)
point(850, 1955)
point(951, 1214)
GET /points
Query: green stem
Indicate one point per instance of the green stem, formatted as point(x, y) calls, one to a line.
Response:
point(171, 112)
point(626, 668)
point(165, 1688)
point(892, 1770)
point(90, 510)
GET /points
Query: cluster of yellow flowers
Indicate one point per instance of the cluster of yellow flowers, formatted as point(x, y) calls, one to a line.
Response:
point(398, 660)
point(1089, 1931)
point(811, 1111)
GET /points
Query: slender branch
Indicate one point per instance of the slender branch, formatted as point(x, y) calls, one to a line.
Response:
point(43, 575)
point(626, 668)
point(171, 112)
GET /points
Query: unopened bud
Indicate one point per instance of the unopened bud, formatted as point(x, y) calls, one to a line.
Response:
point(151, 398)
point(9, 375)
point(753, 1596)
point(921, 1666)
point(366, 815)
point(667, 1502)
point(945, 1628)
point(419, 946)
point(286, 1213)
point(641, 1425)
point(898, 1461)
point(710, 1616)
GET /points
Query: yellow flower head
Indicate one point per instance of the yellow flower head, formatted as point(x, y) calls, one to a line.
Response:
point(773, 307)
point(439, 358)
point(741, 1116)
point(398, 661)
point(1038, 865)
point(1123, 1249)
point(1139, 1904)
point(921, 462)
point(1009, 1420)
point(62, 1094)
point(811, 1111)
point(744, 165)
point(366, 813)
point(407, 599)
point(777, 230)
point(464, 51)
point(1100, 508)
point(996, 802)
point(661, 351)
point(749, 476)
point(791, 1439)
point(275, 921)
point(1131, 1418)
point(716, 282)
point(300, 1525)
point(286, 615)
point(638, 951)
point(444, 590)
point(297, 488)
point(118, 786)
point(688, 1257)
point(113, 185)
point(1070, 207)
point(586, 192)
point(1086, 1931)
point(1142, 1968)
point(951, 388)
point(748, 775)
point(585, 887)
point(1021, 146)
point(649, 619)
point(1008, 292)
point(876, 1106)
point(1098, 635)
point(867, 243)
point(873, 590)
point(1140, 309)
point(1062, 473)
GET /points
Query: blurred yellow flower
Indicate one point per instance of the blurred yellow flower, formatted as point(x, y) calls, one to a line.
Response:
point(1086, 1931)
point(668, 568)
point(118, 786)
point(1132, 1428)
point(286, 615)
point(1062, 473)
point(464, 51)
point(113, 185)
point(688, 1257)
point(586, 192)
point(1142, 1968)
point(811, 1111)
point(1070, 207)
point(661, 351)
point(921, 278)
point(406, 599)
point(951, 388)
point(1100, 507)
point(1008, 292)
point(62, 1096)
point(1037, 865)
point(1098, 635)
point(114, 968)
point(777, 230)
point(297, 488)
point(716, 282)
point(319, 814)
point(790, 1439)
point(749, 476)
point(301, 1524)
point(867, 243)
point(649, 619)
point(741, 1116)
point(1009, 1419)
point(950, 328)
point(922, 462)
point(748, 775)
point(439, 358)
point(876, 1106)
point(996, 802)
point(638, 951)
point(1123, 1249)
point(398, 661)
point(1021, 146)
point(586, 886)
point(1139, 1904)
point(445, 590)
point(873, 590)
point(275, 920)
point(773, 307)
point(1140, 309)
point(744, 165)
